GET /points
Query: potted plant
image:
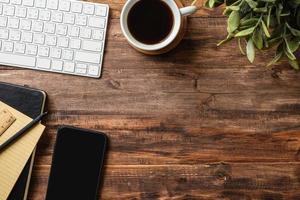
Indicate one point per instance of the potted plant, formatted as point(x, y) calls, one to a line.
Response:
point(263, 24)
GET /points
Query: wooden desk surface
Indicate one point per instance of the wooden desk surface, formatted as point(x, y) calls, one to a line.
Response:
point(197, 123)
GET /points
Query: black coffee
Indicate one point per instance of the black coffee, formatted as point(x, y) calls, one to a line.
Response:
point(150, 21)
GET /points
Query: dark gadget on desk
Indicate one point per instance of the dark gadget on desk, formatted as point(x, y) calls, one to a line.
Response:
point(76, 166)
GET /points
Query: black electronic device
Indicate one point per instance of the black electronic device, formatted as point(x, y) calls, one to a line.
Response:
point(76, 165)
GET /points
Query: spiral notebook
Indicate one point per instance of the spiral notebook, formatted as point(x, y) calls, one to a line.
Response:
point(14, 158)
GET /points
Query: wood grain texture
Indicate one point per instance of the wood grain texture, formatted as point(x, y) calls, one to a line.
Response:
point(197, 123)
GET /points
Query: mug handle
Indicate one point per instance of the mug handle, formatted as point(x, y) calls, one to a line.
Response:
point(188, 10)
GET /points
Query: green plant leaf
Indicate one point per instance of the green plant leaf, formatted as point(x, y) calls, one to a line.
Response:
point(249, 22)
point(261, 10)
point(269, 17)
point(298, 16)
point(258, 39)
point(288, 52)
point(277, 57)
point(294, 31)
point(245, 32)
point(227, 39)
point(294, 64)
point(240, 46)
point(213, 3)
point(266, 31)
point(268, 1)
point(233, 21)
point(293, 44)
point(279, 8)
point(252, 3)
point(234, 8)
point(250, 51)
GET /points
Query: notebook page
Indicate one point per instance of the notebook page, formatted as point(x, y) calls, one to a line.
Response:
point(14, 158)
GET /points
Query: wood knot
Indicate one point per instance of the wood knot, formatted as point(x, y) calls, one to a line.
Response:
point(114, 84)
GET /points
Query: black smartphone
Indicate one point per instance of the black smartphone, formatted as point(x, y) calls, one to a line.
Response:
point(76, 165)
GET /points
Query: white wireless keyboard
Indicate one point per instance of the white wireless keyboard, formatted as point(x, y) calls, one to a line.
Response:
point(63, 36)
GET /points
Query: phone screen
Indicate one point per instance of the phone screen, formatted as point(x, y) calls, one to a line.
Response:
point(76, 165)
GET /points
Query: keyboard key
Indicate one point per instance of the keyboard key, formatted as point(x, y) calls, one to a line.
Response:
point(8, 10)
point(92, 46)
point(16, 2)
point(63, 42)
point(69, 67)
point(87, 57)
point(37, 26)
point(18, 60)
point(97, 22)
point(100, 10)
point(13, 23)
point(57, 65)
point(7, 46)
point(43, 63)
point(56, 53)
point(3, 21)
point(25, 24)
point(4, 34)
point(43, 51)
point(69, 18)
point(94, 70)
point(81, 20)
point(61, 29)
point(27, 37)
point(40, 3)
point(85, 33)
point(81, 68)
point(51, 40)
point(44, 15)
point(73, 31)
point(88, 9)
point(15, 35)
point(76, 7)
point(19, 48)
point(98, 34)
point(21, 12)
point(67, 55)
point(52, 4)
point(28, 3)
point(33, 13)
point(57, 17)
point(38, 38)
point(64, 5)
point(75, 43)
point(49, 28)
point(31, 49)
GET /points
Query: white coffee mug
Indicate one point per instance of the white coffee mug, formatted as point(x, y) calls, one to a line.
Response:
point(177, 13)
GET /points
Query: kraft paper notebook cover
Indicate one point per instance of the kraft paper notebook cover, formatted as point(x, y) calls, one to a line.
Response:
point(30, 102)
point(14, 158)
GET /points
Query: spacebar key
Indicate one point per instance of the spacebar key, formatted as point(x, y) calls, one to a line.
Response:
point(17, 60)
point(87, 57)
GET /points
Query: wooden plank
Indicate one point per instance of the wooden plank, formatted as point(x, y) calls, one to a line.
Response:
point(116, 7)
point(208, 181)
point(162, 143)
